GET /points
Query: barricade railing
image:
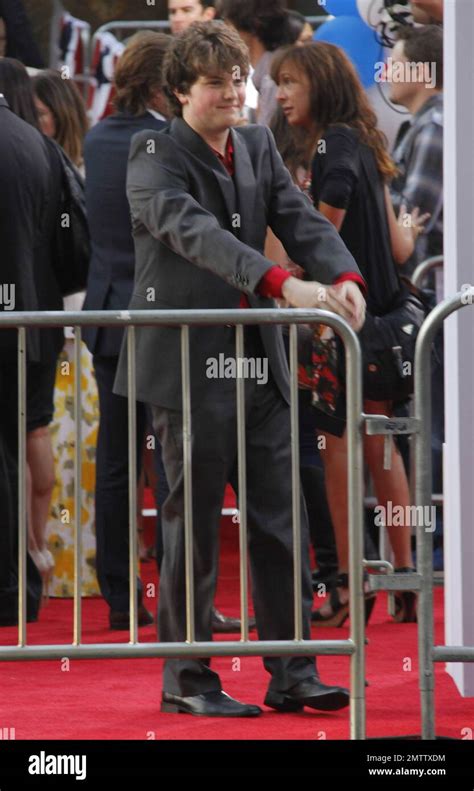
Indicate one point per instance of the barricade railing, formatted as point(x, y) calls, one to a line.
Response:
point(354, 647)
point(423, 269)
point(418, 277)
point(428, 653)
point(163, 24)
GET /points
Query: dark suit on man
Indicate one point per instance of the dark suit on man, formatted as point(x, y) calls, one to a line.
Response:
point(25, 218)
point(109, 287)
point(199, 236)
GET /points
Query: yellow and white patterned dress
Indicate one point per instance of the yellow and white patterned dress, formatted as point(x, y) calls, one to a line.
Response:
point(60, 527)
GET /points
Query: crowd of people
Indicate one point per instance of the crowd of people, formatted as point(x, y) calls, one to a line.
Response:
point(327, 217)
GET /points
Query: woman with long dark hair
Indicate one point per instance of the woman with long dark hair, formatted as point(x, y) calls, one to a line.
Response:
point(61, 113)
point(319, 91)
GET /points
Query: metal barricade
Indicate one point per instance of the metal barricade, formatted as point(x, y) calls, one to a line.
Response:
point(164, 25)
point(354, 647)
point(129, 25)
point(428, 652)
point(423, 269)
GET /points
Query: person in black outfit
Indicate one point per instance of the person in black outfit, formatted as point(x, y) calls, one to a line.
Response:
point(16, 37)
point(41, 373)
point(319, 90)
point(28, 212)
point(140, 105)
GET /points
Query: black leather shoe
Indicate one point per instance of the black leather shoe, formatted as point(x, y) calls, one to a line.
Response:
point(309, 692)
point(225, 625)
point(121, 620)
point(210, 704)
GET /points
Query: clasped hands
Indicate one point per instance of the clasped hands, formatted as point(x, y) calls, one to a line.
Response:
point(345, 299)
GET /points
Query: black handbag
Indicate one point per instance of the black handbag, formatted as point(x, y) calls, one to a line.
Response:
point(72, 247)
point(388, 346)
point(388, 340)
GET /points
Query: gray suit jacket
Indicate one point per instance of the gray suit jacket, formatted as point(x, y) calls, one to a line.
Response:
point(199, 238)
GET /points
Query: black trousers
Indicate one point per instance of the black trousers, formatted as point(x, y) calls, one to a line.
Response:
point(269, 501)
point(111, 496)
point(9, 507)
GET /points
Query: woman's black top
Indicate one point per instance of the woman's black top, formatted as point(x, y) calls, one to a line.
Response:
point(345, 175)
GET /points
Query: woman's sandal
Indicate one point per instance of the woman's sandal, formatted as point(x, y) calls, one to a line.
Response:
point(340, 610)
point(405, 601)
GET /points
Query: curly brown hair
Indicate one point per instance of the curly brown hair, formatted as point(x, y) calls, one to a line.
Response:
point(139, 71)
point(205, 48)
point(337, 95)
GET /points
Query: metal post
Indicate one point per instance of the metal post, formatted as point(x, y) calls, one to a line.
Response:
point(422, 408)
point(295, 483)
point(424, 542)
point(435, 262)
point(242, 493)
point(355, 483)
point(188, 484)
point(77, 488)
point(132, 483)
point(22, 528)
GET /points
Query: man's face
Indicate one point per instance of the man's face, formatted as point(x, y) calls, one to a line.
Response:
point(182, 13)
point(214, 103)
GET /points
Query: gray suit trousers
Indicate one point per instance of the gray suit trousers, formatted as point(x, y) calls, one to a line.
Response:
point(269, 503)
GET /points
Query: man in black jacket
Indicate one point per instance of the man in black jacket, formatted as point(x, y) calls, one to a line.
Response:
point(16, 37)
point(24, 217)
point(141, 105)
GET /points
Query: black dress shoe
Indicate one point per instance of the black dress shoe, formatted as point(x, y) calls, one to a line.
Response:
point(210, 704)
point(121, 620)
point(225, 624)
point(309, 692)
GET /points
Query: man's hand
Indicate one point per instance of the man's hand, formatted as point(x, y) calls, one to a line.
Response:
point(352, 295)
point(344, 299)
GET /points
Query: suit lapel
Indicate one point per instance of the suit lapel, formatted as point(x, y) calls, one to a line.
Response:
point(245, 184)
point(196, 146)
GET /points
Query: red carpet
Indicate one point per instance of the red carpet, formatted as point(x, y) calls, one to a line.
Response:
point(119, 699)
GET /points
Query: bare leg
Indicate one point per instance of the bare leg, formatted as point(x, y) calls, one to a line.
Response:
point(390, 485)
point(32, 545)
point(39, 454)
point(334, 456)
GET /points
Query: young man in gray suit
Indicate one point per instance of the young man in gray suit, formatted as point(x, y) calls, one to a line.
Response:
point(202, 194)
